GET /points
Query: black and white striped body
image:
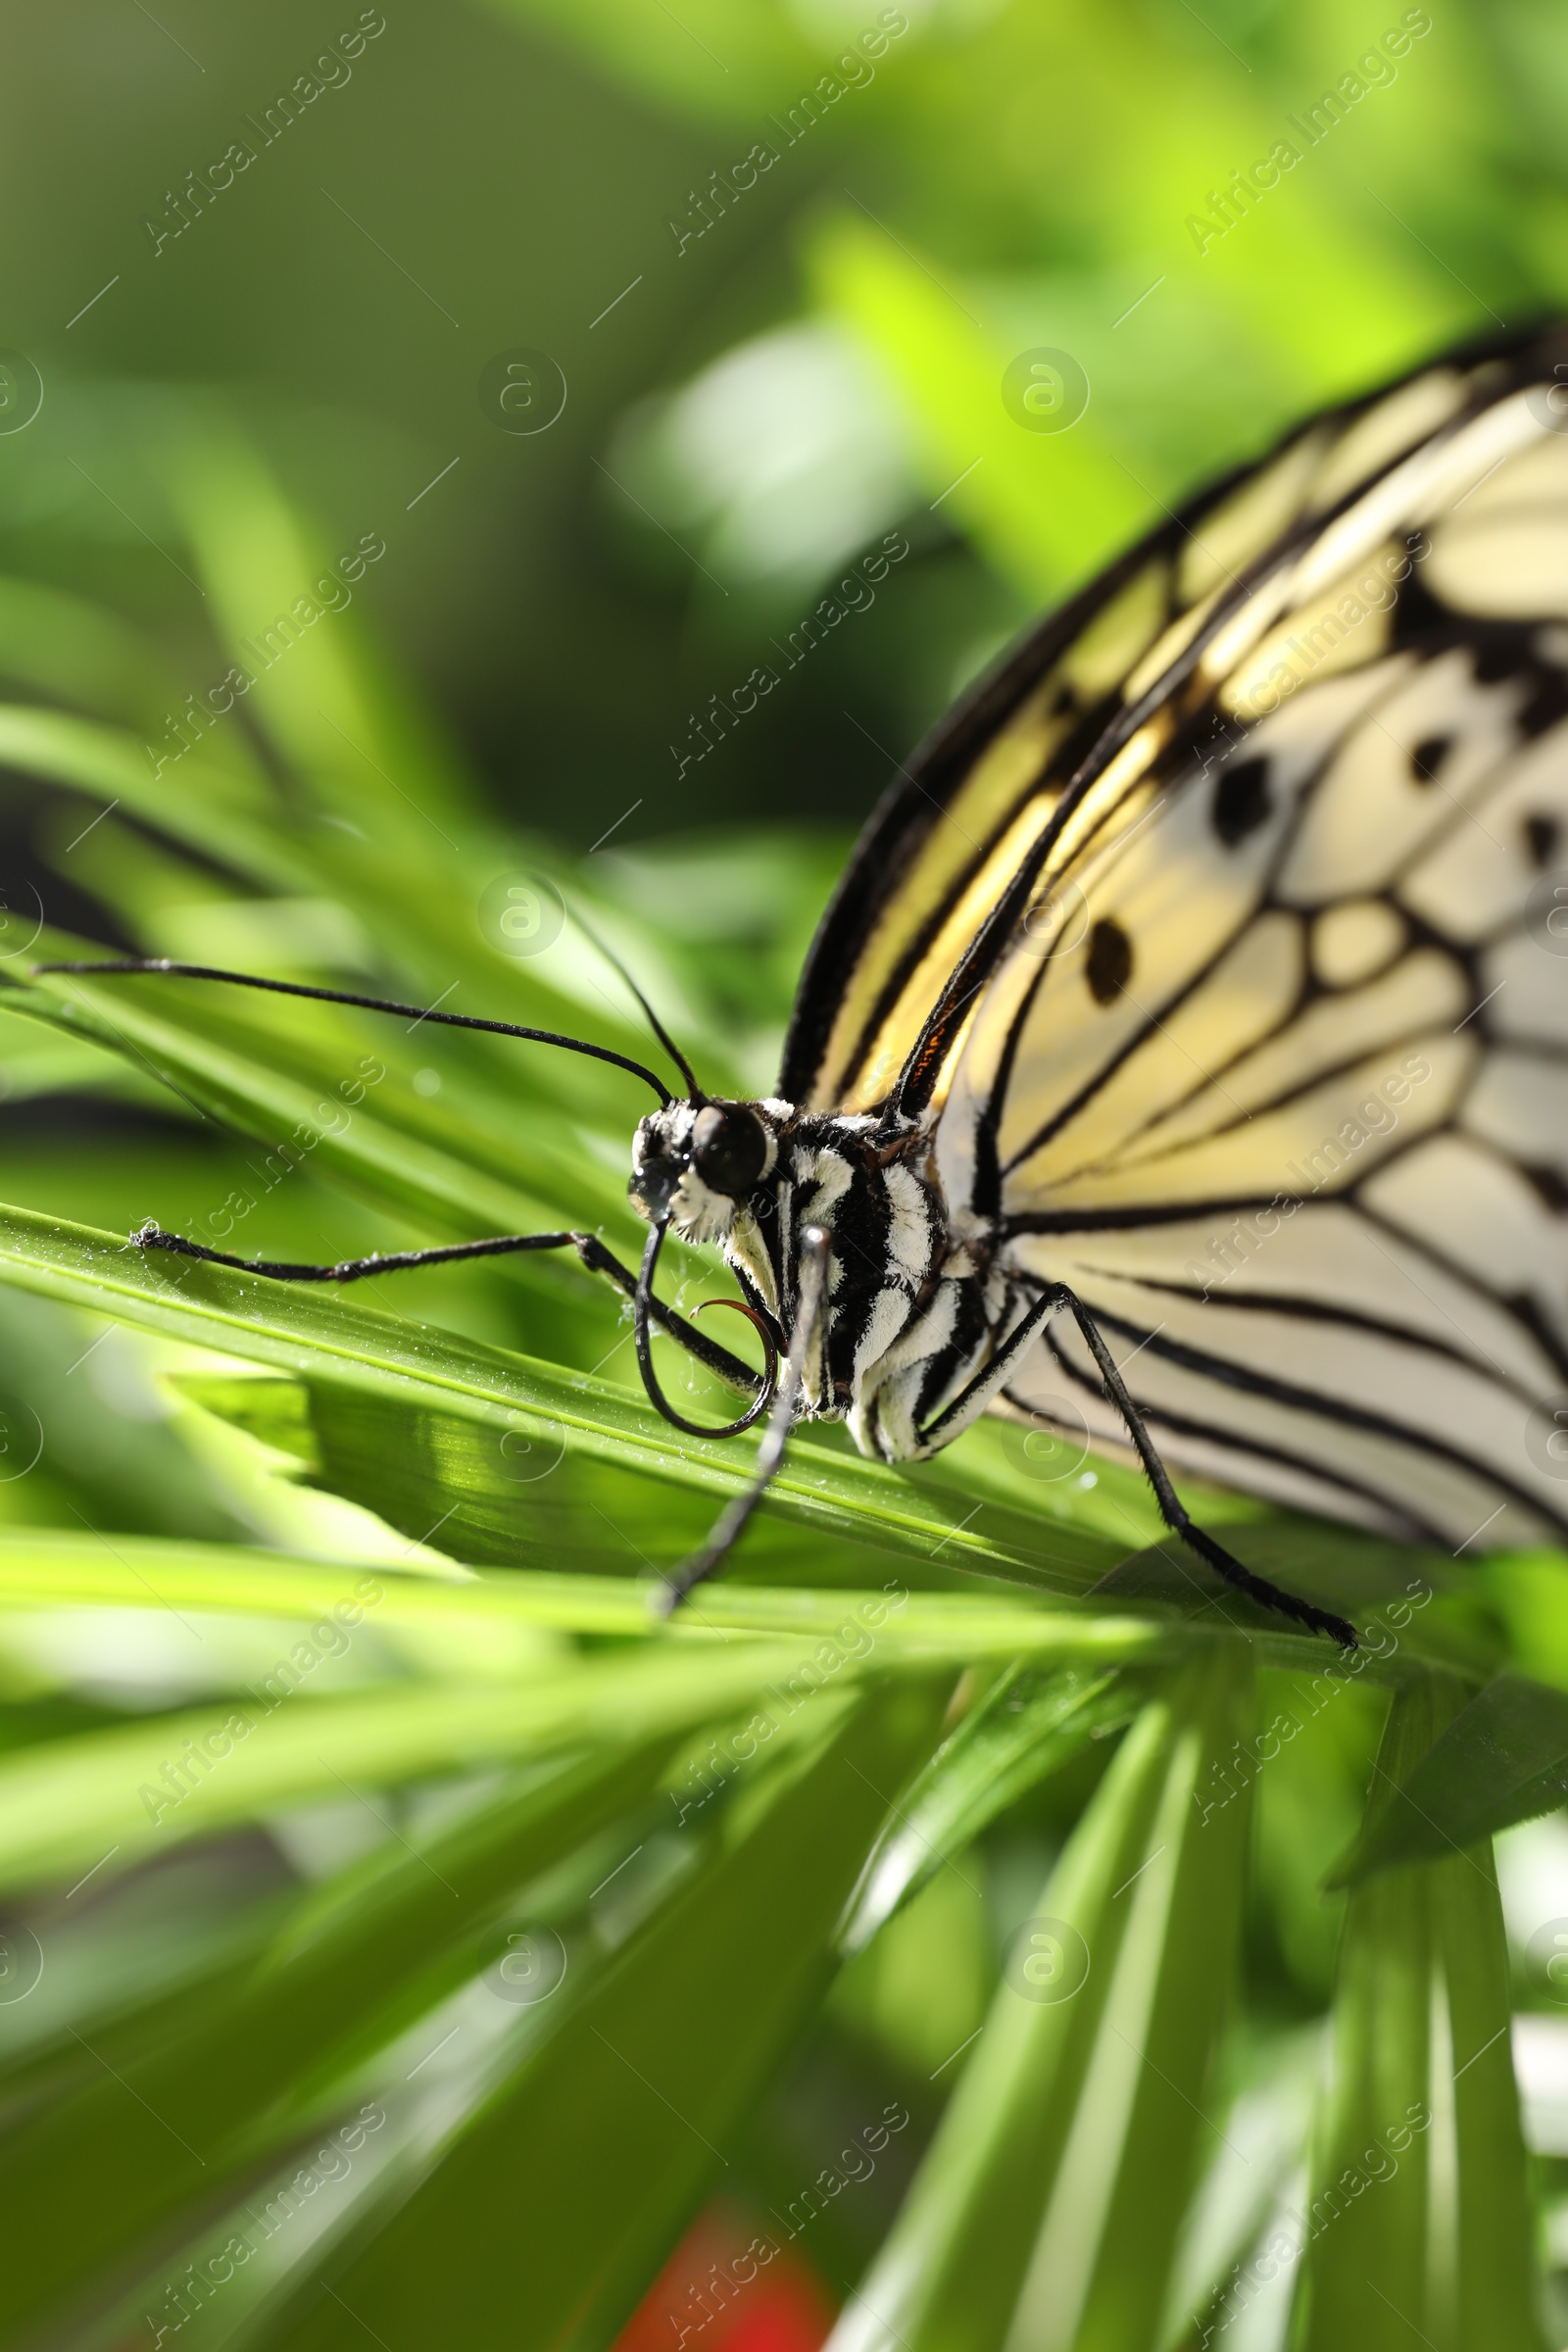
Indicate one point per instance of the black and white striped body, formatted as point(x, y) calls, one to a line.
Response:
point(893, 1313)
point(914, 1311)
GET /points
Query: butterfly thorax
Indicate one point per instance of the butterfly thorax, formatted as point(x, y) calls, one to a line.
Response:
point(907, 1313)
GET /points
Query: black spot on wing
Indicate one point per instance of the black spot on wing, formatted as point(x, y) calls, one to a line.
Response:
point(1497, 657)
point(1240, 801)
point(1111, 961)
point(1417, 613)
point(1541, 835)
point(1547, 703)
point(1427, 755)
point(1548, 1183)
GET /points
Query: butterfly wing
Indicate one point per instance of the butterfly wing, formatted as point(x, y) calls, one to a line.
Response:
point(1217, 938)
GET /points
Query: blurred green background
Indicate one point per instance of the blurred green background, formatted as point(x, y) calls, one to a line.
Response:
point(767, 398)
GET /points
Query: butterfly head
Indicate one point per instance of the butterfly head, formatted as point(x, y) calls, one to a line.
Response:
point(695, 1165)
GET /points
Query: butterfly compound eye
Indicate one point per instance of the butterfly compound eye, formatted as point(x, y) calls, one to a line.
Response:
point(729, 1147)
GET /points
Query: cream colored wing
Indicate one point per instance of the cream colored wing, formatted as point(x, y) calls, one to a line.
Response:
point(1169, 621)
point(1272, 1063)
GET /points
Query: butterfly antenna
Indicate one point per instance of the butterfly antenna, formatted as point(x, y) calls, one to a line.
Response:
point(337, 995)
point(698, 1096)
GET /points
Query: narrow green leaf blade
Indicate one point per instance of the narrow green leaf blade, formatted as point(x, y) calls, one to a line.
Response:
point(1418, 2220)
point(1028, 1725)
point(220, 812)
point(1503, 1759)
point(1044, 511)
point(1047, 2208)
point(46, 1567)
point(106, 1799)
point(542, 2223)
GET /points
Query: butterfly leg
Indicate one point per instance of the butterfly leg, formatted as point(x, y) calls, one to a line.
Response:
point(348, 1269)
point(727, 1528)
point(589, 1247)
point(972, 1399)
point(1176, 1518)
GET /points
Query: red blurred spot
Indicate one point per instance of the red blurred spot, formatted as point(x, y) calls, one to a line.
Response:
point(731, 2288)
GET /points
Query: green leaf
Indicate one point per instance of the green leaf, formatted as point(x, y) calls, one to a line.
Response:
point(739, 60)
point(67, 645)
point(1252, 2175)
point(543, 2220)
point(275, 1413)
point(132, 1968)
point(1045, 508)
point(488, 1398)
point(109, 1798)
point(1503, 1759)
point(330, 700)
point(41, 1060)
point(1027, 1725)
point(1418, 2213)
point(159, 2132)
point(44, 1567)
point(1528, 1590)
point(1047, 2205)
point(502, 1501)
point(218, 809)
